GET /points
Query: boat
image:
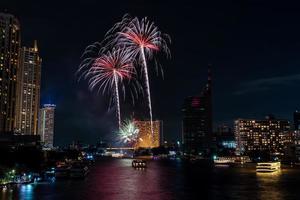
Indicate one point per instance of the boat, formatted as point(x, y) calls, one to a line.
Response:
point(78, 170)
point(139, 163)
point(224, 160)
point(265, 167)
point(117, 155)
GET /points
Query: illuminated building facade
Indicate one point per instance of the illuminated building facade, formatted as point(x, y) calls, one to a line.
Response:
point(28, 91)
point(225, 138)
point(197, 122)
point(270, 135)
point(297, 120)
point(46, 124)
point(9, 61)
point(297, 134)
point(297, 145)
point(145, 139)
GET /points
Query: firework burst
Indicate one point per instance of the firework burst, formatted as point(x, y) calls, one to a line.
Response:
point(128, 133)
point(108, 71)
point(143, 38)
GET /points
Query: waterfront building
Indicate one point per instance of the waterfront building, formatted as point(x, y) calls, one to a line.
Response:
point(297, 135)
point(46, 124)
point(296, 129)
point(10, 40)
point(197, 122)
point(225, 140)
point(296, 120)
point(145, 137)
point(297, 144)
point(14, 141)
point(28, 91)
point(269, 136)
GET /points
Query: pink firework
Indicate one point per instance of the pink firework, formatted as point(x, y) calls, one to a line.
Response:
point(141, 34)
point(144, 39)
point(108, 71)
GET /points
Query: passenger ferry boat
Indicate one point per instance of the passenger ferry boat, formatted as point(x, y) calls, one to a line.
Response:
point(265, 167)
point(139, 164)
point(224, 160)
point(231, 160)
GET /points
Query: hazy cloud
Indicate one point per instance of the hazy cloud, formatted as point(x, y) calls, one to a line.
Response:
point(265, 84)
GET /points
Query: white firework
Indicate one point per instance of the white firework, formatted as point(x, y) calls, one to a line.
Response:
point(128, 133)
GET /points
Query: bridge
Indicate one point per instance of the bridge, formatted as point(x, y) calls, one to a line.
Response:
point(120, 148)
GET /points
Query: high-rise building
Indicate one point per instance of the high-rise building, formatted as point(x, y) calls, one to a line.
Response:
point(297, 134)
point(269, 136)
point(297, 144)
point(296, 120)
point(197, 122)
point(225, 137)
point(9, 61)
point(46, 124)
point(28, 91)
point(145, 139)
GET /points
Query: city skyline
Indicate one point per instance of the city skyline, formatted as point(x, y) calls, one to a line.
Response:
point(242, 86)
point(151, 100)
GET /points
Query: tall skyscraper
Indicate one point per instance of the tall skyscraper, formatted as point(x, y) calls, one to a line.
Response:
point(297, 144)
point(9, 61)
point(297, 134)
point(28, 91)
point(46, 124)
point(296, 120)
point(225, 137)
point(197, 122)
point(145, 139)
point(268, 136)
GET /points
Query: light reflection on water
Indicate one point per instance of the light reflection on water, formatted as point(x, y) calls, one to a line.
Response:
point(164, 180)
point(26, 192)
point(268, 185)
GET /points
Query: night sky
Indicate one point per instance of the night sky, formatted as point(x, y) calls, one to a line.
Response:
point(253, 47)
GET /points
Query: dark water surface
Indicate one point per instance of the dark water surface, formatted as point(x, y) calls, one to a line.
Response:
point(115, 179)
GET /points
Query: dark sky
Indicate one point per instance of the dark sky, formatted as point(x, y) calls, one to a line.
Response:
point(254, 48)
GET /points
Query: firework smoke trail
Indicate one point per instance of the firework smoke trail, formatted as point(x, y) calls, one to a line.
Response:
point(117, 99)
point(147, 88)
point(143, 38)
point(108, 71)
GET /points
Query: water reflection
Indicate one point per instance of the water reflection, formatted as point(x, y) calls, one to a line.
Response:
point(121, 181)
point(26, 192)
point(270, 176)
point(269, 186)
point(115, 179)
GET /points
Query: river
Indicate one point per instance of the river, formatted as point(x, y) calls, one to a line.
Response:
point(115, 179)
